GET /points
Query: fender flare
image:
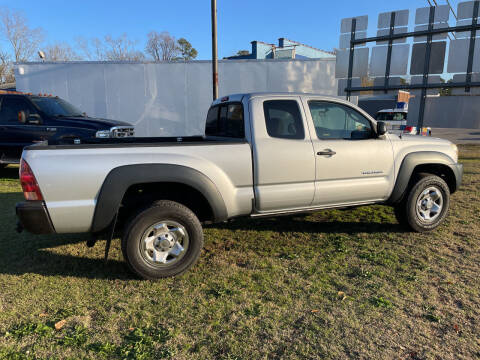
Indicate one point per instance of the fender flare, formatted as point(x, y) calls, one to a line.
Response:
point(121, 178)
point(415, 159)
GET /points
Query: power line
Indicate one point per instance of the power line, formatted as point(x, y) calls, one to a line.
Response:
point(451, 9)
point(436, 4)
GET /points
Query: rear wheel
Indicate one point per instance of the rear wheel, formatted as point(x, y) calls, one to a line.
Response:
point(426, 204)
point(163, 240)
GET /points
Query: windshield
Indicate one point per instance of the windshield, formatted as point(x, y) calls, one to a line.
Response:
point(391, 116)
point(56, 106)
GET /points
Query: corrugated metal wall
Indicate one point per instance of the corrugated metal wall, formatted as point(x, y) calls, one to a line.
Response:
point(169, 99)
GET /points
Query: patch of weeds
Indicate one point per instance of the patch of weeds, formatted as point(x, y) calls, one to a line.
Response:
point(230, 357)
point(359, 272)
point(288, 256)
point(254, 310)
point(64, 313)
point(431, 317)
point(105, 350)
point(76, 336)
point(430, 313)
point(339, 244)
point(143, 344)
point(381, 302)
point(10, 354)
point(412, 277)
point(22, 330)
point(218, 291)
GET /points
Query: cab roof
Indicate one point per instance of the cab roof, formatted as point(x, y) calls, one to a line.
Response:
point(239, 97)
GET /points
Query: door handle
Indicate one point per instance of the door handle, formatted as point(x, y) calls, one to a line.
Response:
point(326, 152)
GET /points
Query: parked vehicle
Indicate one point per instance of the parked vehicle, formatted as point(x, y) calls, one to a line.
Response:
point(263, 155)
point(396, 122)
point(26, 119)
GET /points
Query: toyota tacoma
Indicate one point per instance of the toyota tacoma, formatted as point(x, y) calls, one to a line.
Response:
point(265, 154)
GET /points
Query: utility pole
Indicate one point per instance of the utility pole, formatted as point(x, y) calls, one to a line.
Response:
point(214, 50)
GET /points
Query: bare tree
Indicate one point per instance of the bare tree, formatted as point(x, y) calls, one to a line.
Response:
point(109, 49)
point(121, 49)
point(23, 39)
point(61, 52)
point(6, 69)
point(162, 46)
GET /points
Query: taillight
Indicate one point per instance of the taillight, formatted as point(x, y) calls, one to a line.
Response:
point(408, 129)
point(30, 187)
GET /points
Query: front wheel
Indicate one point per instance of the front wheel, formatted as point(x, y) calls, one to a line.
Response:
point(426, 204)
point(163, 240)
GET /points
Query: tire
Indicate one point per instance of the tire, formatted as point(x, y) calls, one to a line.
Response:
point(426, 204)
point(163, 240)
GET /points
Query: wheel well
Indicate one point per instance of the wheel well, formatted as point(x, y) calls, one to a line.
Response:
point(441, 171)
point(143, 195)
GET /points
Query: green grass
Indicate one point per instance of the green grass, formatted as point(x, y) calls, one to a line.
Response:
point(334, 284)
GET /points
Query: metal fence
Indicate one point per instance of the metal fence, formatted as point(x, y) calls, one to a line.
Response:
point(387, 67)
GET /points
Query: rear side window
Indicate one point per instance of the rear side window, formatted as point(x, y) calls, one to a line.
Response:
point(283, 119)
point(225, 121)
point(10, 108)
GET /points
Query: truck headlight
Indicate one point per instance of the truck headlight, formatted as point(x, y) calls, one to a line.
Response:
point(103, 134)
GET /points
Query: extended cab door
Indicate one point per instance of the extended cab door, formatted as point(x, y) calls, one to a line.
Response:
point(284, 161)
point(353, 165)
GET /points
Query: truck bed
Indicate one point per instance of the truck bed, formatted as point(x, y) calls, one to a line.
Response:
point(71, 175)
point(133, 142)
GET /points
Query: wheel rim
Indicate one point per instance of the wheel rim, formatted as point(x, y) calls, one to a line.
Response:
point(164, 243)
point(430, 204)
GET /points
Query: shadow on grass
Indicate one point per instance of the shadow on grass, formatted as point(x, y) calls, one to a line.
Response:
point(26, 253)
point(10, 172)
point(300, 223)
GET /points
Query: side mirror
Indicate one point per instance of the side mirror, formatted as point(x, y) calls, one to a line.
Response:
point(22, 117)
point(381, 128)
point(34, 119)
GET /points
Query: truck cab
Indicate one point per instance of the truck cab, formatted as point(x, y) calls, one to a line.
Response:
point(26, 119)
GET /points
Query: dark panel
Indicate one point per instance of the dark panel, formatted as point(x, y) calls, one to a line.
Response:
point(437, 58)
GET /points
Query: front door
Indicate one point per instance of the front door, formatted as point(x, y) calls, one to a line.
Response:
point(16, 135)
point(284, 162)
point(353, 165)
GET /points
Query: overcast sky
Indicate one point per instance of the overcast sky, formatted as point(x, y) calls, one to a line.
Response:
point(313, 22)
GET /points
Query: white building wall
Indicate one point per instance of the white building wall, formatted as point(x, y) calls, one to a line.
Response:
point(169, 99)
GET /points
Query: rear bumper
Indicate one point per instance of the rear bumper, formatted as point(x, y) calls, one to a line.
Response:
point(34, 218)
point(458, 171)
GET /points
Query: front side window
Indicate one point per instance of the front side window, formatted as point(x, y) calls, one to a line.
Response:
point(337, 121)
point(225, 121)
point(283, 119)
point(11, 106)
point(56, 106)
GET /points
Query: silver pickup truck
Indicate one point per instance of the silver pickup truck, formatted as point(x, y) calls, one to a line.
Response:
point(262, 155)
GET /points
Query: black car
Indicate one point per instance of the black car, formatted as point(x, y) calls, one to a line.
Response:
point(26, 119)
